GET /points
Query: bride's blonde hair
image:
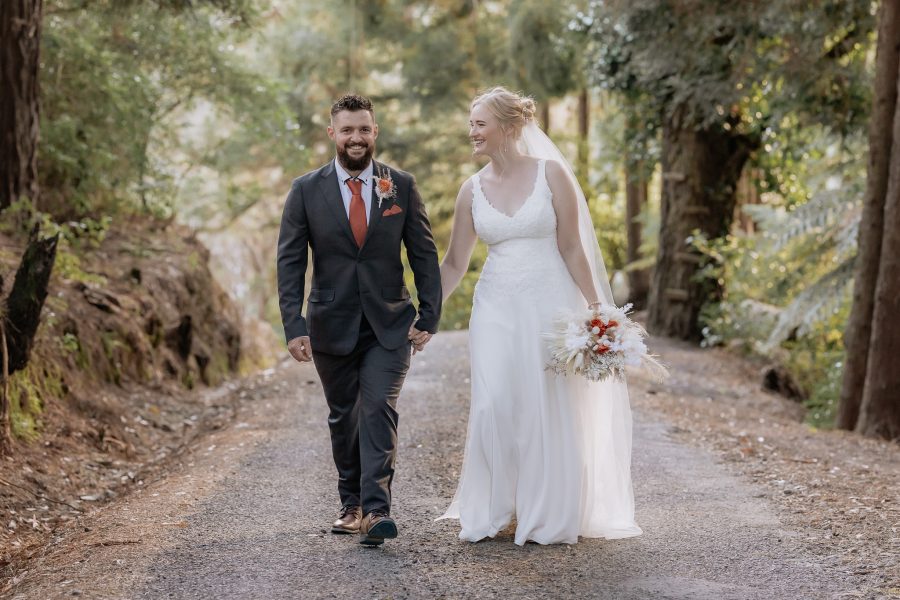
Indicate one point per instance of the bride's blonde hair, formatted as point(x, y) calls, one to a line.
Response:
point(512, 110)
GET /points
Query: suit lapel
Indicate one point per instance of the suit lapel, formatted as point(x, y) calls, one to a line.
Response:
point(328, 183)
point(374, 211)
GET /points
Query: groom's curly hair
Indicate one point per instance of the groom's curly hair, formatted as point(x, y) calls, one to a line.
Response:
point(353, 103)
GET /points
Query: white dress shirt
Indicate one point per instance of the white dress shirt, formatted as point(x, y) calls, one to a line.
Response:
point(366, 178)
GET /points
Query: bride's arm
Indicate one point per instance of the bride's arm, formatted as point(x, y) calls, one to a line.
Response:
point(462, 242)
point(565, 203)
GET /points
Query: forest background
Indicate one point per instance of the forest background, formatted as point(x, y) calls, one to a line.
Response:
point(723, 147)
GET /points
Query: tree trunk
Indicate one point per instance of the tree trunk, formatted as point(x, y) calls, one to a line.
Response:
point(544, 117)
point(26, 299)
point(701, 168)
point(584, 130)
point(635, 201)
point(858, 334)
point(748, 194)
point(20, 37)
point(20, 317)
point(879, 414)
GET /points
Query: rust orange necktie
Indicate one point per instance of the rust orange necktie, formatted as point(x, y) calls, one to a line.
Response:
point(357, 211)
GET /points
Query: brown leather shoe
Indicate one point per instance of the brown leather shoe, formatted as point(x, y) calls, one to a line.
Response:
point(348, 520)
point(375, 528)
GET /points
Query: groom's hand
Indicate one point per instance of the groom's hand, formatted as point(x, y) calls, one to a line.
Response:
point(300, 349)
point(418, 338)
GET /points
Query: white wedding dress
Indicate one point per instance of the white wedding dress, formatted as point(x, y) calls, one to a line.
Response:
point(551, 451)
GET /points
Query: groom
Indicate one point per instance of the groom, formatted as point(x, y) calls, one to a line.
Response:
point(360, 325)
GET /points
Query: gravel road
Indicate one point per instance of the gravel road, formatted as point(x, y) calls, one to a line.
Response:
point(246, 516)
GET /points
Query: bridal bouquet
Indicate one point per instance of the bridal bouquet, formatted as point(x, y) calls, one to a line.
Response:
point(599, 344)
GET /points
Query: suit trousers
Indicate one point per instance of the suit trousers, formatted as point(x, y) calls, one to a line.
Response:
point(362, 389)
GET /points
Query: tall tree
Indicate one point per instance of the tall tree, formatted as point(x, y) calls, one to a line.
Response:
point(541, 52)
point(88, 96)
point(882, 150)
point(117, 78)
point(635, 203)
point(879, 414)
point(718, 73)
point(701, 167)
point(638, 160)
point(20, 44)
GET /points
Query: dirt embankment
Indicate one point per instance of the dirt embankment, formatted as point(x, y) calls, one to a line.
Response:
point(134, 331)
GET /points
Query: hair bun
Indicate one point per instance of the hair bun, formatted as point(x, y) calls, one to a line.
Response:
point(512, 110)
point(528, 108)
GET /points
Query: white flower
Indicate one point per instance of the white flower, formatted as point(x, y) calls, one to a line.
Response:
point(576, 338)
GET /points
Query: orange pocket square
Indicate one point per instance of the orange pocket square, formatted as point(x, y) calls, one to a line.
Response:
point(394, 210)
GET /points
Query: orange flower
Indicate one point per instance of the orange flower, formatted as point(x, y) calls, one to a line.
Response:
point(385, 186)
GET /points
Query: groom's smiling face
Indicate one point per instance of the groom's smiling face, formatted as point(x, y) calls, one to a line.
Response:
point(354, 133)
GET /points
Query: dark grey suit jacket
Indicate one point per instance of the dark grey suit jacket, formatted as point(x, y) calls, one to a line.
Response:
point(349, 281)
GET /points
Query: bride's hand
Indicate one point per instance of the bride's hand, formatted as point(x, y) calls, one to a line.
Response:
point(418, 338)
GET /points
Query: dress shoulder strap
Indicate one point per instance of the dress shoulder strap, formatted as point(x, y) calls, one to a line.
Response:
point(476, 186)
point(476, 192)
point(542, 174)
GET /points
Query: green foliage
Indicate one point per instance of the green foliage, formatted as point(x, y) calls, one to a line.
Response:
point(760, 61)
point(421, 63)
point(28, 388)
point(816, 360)
point(795, 76)
point(201, 108)
point(75, 237)
point(542, 48)
point(117, 76)
point(787, 288)
point(822, 232)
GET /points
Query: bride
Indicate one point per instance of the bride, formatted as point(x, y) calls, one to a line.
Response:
point(551, 452)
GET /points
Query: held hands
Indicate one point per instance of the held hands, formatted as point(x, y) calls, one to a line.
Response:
point(300, 349)
point(418, 338)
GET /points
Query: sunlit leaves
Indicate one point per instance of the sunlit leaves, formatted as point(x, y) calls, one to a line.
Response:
point(770, 58)
point(115, 77)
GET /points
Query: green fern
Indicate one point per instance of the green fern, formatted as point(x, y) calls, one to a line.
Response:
point(829, 215)
point(823, 229)
point(814, 304)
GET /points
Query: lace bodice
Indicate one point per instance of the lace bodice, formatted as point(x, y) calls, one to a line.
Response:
point(534, 219)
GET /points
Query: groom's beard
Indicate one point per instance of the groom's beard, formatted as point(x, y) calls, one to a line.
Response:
point(355, 164)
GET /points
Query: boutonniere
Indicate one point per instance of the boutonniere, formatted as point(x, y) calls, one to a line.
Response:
point(384, 186)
